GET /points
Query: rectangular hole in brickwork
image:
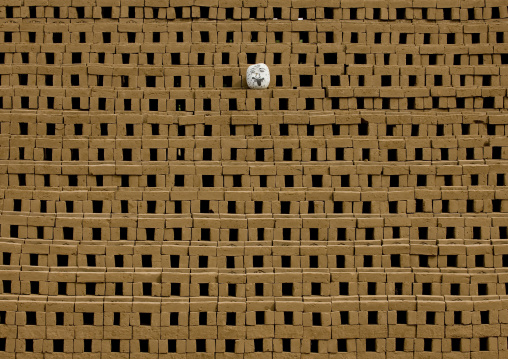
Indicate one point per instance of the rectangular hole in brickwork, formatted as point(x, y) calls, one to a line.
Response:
point(263, 181)
point(204, 289)
point(204, 12)
point(205, 36)
point(385, 103)
point(150, 234)
point(149, 58)
point(96, 234)
point(58, 345)
point(260, 154)
point(317, 180)
point(251, 58)
point(29, 345)
point(31, 318)
point(341, 261)
point(279, 83)
point(500, 179)
point(392, 154)
point(438, 80)
point(313, 261)
point(285, 261)
point(287, 289)
point(119, 261)
point(153, 154)
point(144, 345)
point(229, 13)
point(147, 289)
point(180, 104)
point(205, 234)
point(341, 234)
point(175, 58)
point(371, 288)
point(115, 345)
point(491, 129)
point(233, 104)
point(146, 261)
point(479, 260)
point(285, 207)
point(257, 261)
point(208, 180)
point(13, 231)
point(386, 80)
point(150, 81)
point(372, 317)
point(328, 13)
point(363, 128)
point(488, 102)
point(62, 260)
point(353, 13)
point(178, 206)
point(288, 318)
point(277, 12)
point(302, 13)
point(173, 316)
point(500, 37)
point(311, 208)
point(207, 154)
point(330, 58)
point(207, 104)
point(174, 261)
point(260, 234)
point(227, 81)
point(329, 37)
point(367, 261)
point(338, 207)
point(483, 289)
point(306, 80)
point(225, 58)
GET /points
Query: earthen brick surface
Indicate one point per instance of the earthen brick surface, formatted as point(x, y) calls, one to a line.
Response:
point(153, 206)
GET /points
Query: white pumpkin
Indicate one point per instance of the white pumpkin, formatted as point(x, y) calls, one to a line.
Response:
point(258, 76)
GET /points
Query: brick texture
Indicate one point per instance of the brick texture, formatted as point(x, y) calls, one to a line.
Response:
point(152, 206)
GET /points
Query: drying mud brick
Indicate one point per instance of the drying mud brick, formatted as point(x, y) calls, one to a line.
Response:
point(153, 206)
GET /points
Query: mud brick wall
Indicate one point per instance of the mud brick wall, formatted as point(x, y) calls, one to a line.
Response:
point(152, 206)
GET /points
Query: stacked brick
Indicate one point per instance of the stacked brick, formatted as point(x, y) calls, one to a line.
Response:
point(152, 206)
